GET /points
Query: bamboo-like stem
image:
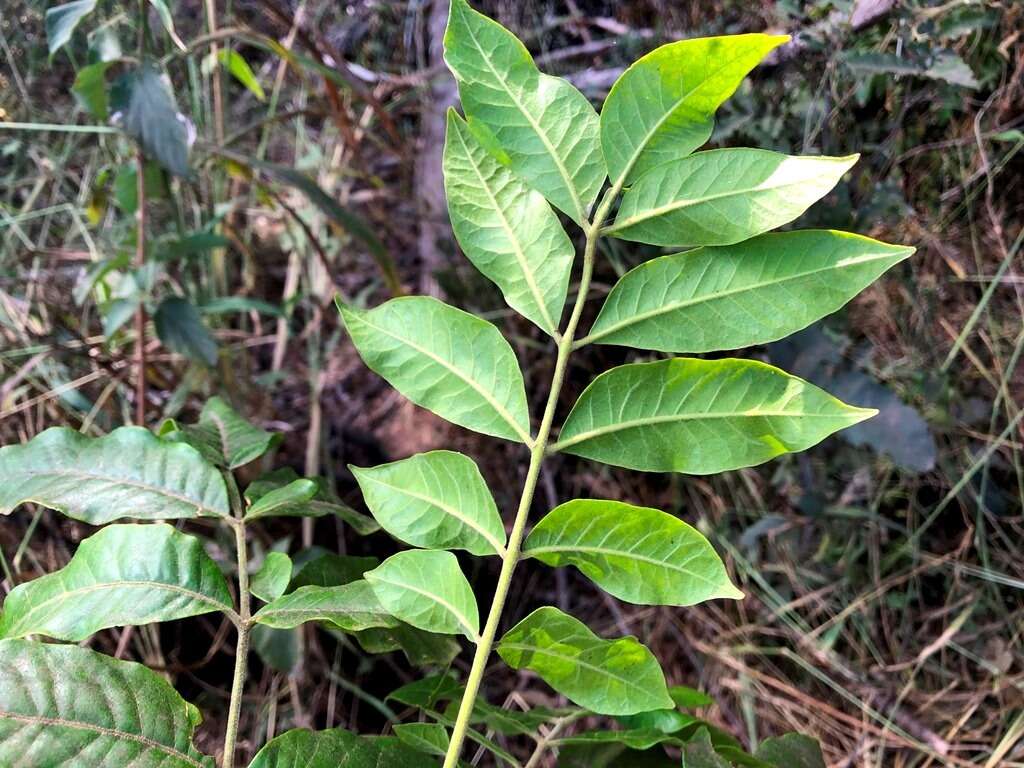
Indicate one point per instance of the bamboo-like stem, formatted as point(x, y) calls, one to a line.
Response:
point(537, 451)
point(244, 625)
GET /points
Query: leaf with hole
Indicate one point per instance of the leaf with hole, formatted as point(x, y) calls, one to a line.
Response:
point(63, 705)
point(637, 554)
point(129, 473)
point(699, 416)
point(723, 196)
point(427, 589)
point(446, 360)
point(123, 575)
point(734, 296)
point(435, 500)
point(609, 677)
point(506, 229)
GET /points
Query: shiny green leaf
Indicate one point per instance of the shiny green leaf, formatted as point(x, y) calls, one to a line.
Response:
point(128, 473)
point(427, 589)
point(637, 554)
point(506, 229)
point(446, 360)
point(436, 500)
point(63, 706)
point(352, 607)
point(123, 575)
point(610, 677)
point(662, 107)
point(723, 196)
point(548, 129)
point(273, 577)
point(700, 416)
point(734, 296)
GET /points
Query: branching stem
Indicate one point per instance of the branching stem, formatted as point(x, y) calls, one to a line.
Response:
point(537, 452)
point(244, 626)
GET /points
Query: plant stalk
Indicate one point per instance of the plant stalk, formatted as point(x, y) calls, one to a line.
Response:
point(244, 626)
point(537, 451)
point(140, 310)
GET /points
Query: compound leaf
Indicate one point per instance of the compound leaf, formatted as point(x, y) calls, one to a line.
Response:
point(128, 473)
point(427, 589)
point(662, 107)
point(736, 296)
point(62, 705)
point(547, 129)
point(446, 360)
point(638, 554)
point(272, 579)
point(436, 500)
point(506, 229)
point(700, 416)
point(352, 607)
point(336, 748)
point(610, 677)
point(723, 196)
point(123, 575)
point(223, 435)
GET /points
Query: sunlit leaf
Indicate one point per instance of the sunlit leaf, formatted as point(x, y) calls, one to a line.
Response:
point(239, 68)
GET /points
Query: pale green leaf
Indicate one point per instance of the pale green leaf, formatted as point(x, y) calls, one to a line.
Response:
point(352, 607)
point(297, 492)
point(735, 296)
point(637, 554)
point(292, 504)
point(610, 677)
point(436, 500)
point(446, 360)
point(336, 748)
point(723, 196)
point(273, 577)
point(128, 473)
point(428, 738)
point(242, 72)
point(662, 107)
point(548, 129)
point(142, 104)
point(223, 435)
point(123, 575)
point(61, 21)
point(700, 416)
point(63, 706)
point(427, 589)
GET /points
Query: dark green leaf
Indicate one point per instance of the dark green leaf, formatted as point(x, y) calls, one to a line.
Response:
point(143, 106)
point(223, 435)
point(791, 750)
point(180, 326)
point(336, 748)
point(323, 503)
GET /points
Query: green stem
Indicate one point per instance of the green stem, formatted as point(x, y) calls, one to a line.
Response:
point(537, 452)
point(244, 625)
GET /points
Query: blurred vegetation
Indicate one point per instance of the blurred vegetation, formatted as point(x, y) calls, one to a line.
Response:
point(883, 569)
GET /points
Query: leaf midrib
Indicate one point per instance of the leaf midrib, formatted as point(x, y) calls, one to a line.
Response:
point(102, 730)
point(715, 296)
point(532, 551)
point(463, 620)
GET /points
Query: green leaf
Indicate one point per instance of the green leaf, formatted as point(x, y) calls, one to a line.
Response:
point(791, 750)
point(297, 492)
point(239, 68)
point(64, 706)
point(609, 677)
point(637, 554)
point(164, 12)
point(427, 589)
point(736, 296)
point(61, 21)
point(336, 748)
point(662, 107)
point(436, 500)
point(700, 752)
point(446, 360)
point(548, 129)
point(143, 106)
point(507, 229)
point(273, 577)
point(634, 738)
point(723, 196)
point(323, 503)
point(279, 649)
point(422, 649)
point(700, 416)
point(223, 435)
point(352, 607)
point(426, 692)
point(90, 89)
point(330, 570)
point(180, 326)
point(427, 738)
point(128, 473)
point(123, 575)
